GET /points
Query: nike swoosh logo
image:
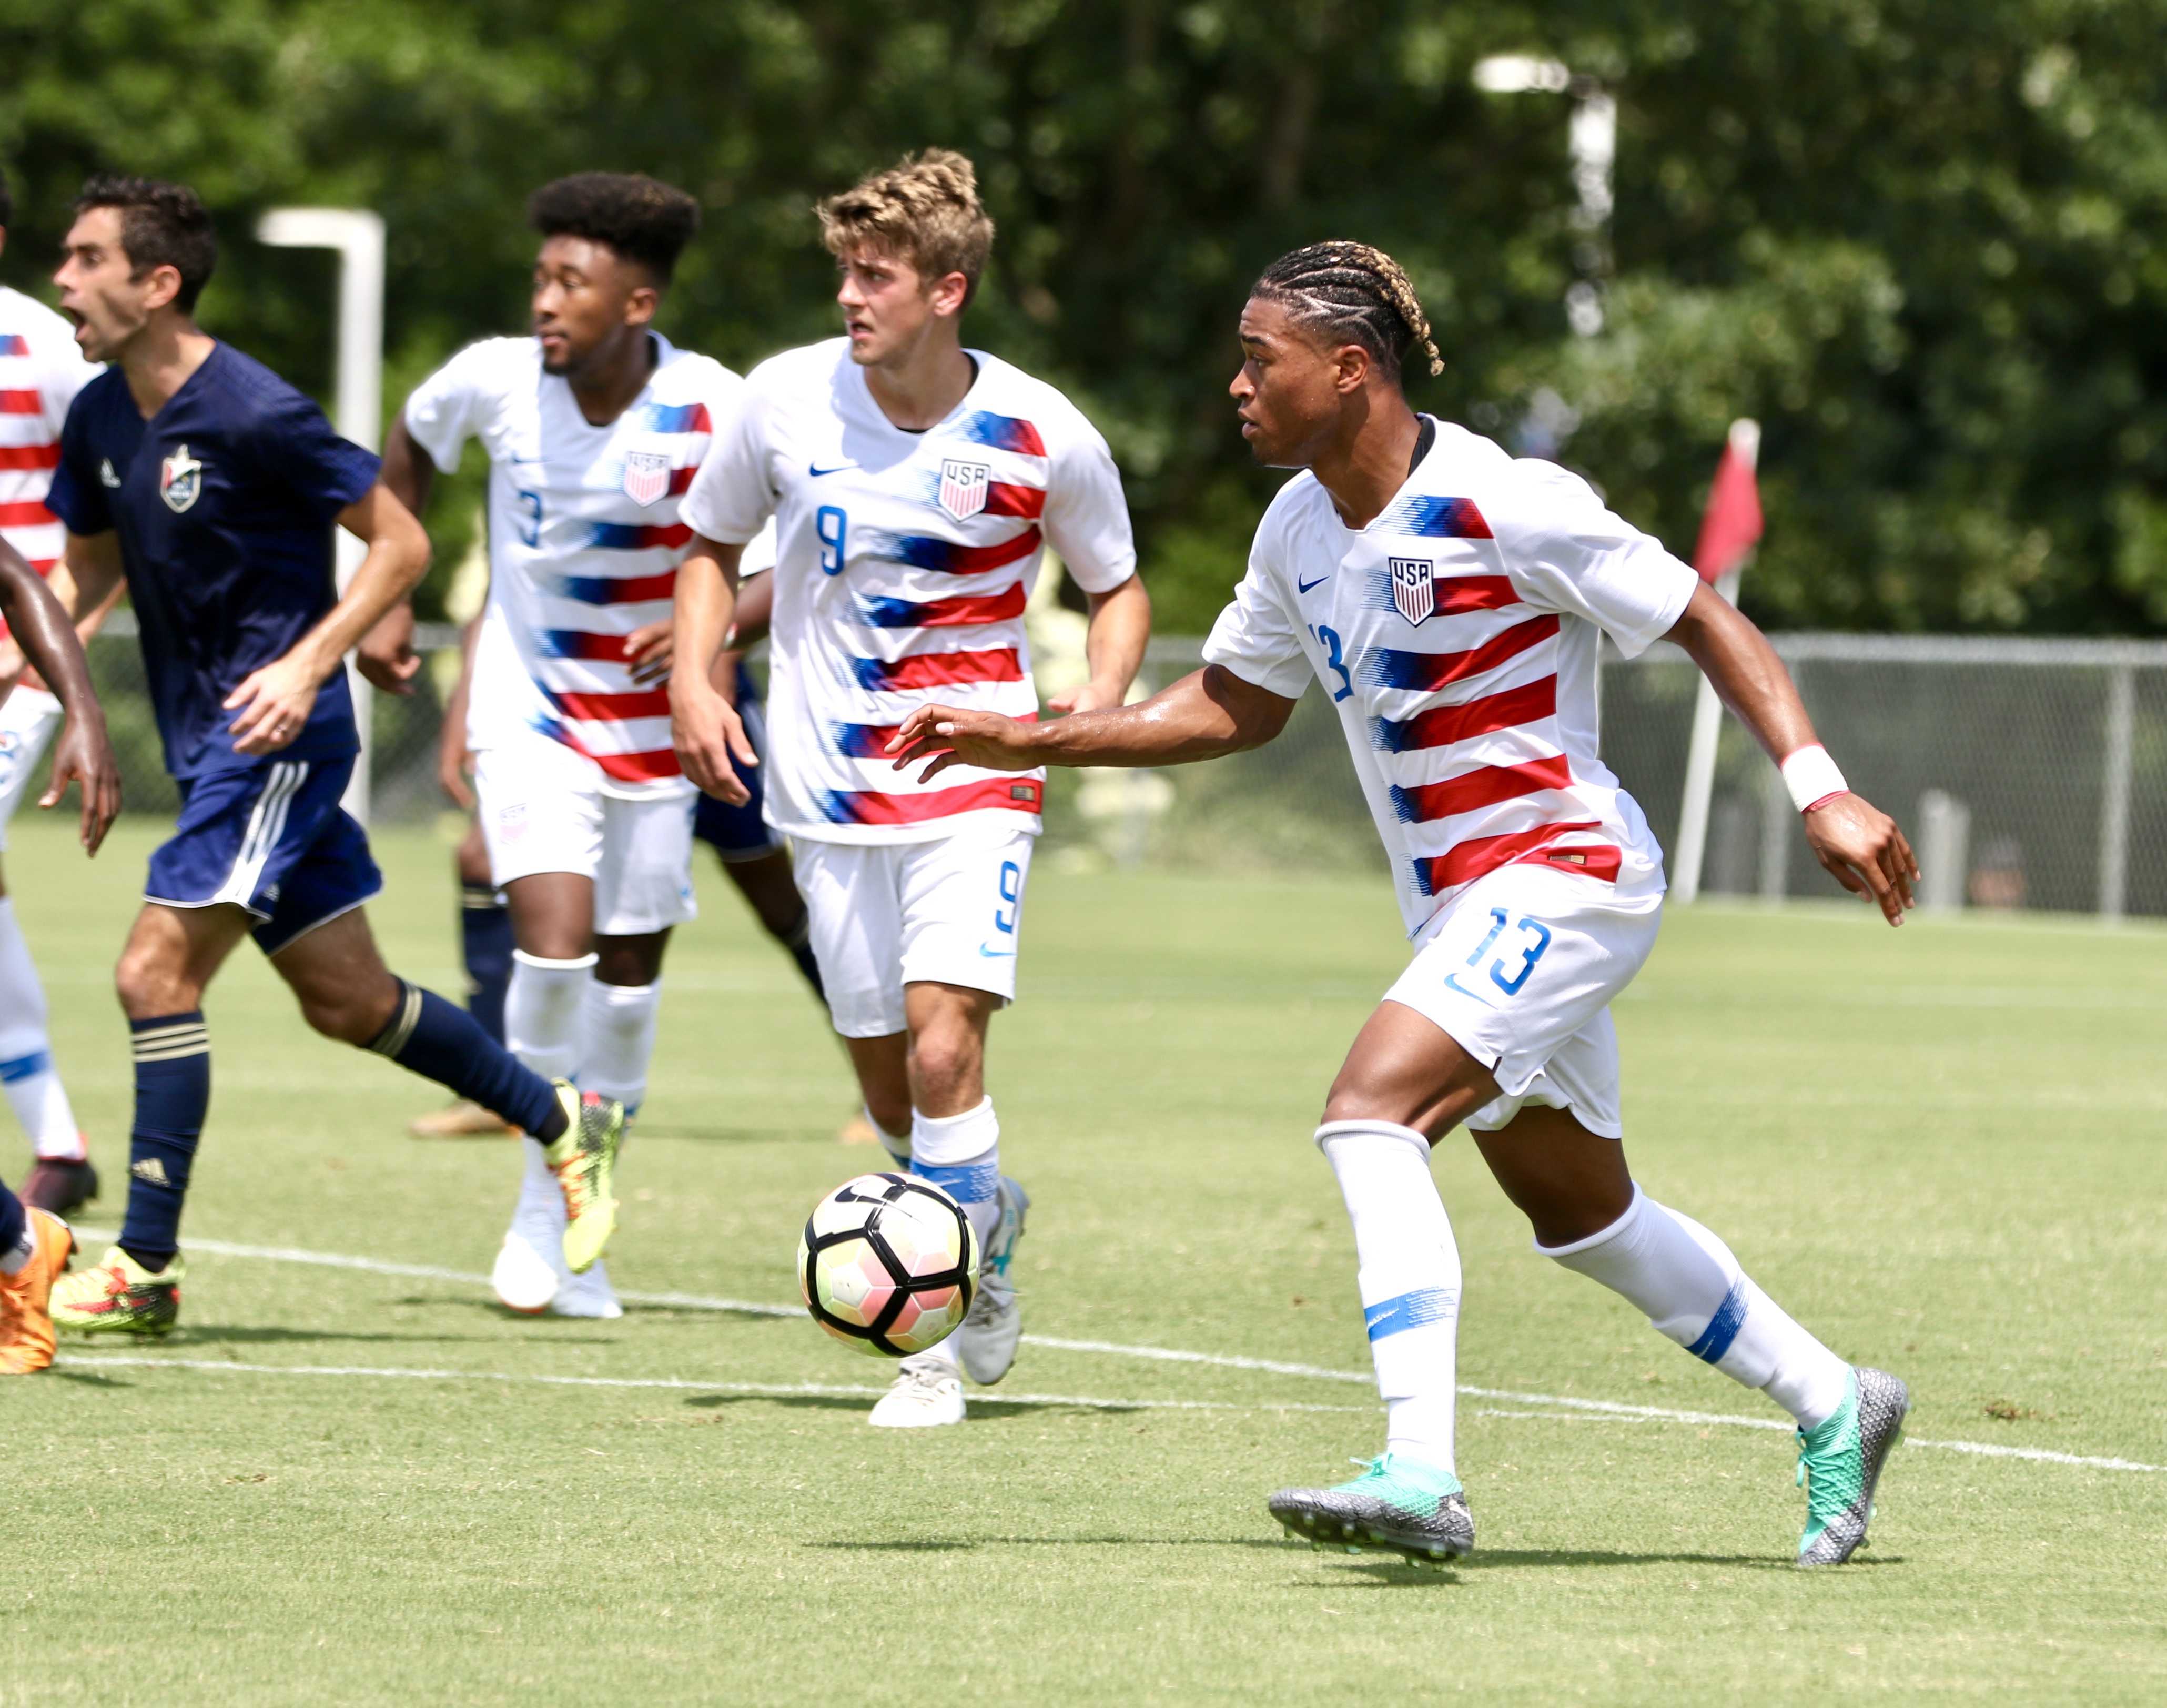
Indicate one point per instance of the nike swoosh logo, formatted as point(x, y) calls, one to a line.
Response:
point(816, 471)
point(994, 954)
point(1302, 587)
point(1454, 981)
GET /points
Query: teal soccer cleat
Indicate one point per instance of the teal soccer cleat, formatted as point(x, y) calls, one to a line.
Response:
point(1840, 1461)
point(1400, 1505)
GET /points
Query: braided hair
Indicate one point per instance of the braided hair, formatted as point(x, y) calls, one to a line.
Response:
point(1355, 293)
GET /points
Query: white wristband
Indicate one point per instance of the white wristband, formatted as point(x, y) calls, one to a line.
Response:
point(1812, 777)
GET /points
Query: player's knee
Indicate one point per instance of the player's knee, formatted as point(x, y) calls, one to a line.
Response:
point(148, 986)
point(350, 1017)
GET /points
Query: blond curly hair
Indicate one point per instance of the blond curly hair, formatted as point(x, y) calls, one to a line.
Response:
point(923, 210)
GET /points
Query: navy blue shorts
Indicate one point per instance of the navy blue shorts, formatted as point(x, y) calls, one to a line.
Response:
point(739, 833)
point(273, 840)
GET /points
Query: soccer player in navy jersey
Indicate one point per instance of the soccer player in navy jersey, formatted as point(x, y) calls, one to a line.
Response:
point(35, 1243)
point(211, 483)
point(1450, 600)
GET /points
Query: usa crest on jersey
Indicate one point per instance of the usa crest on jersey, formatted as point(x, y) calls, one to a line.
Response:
point(1414, 588)
point(963, 487)
point(180, 480)
point(646, 476)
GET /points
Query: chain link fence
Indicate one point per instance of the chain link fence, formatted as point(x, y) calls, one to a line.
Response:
point(2028, 773)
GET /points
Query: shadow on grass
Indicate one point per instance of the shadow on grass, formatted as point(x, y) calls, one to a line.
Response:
point(980, 1408)
point(735, 1135)
point(199, 1334)
point(1385, 1572)
point(925, 1545)
point(89, 1377)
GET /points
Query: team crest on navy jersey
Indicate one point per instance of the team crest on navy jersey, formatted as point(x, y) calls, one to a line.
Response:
point(180, 480)
point(1414, 588)
point(646, 476)
point(963, 487)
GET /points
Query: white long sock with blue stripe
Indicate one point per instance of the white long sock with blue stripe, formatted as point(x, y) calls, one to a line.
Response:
point(961, 1155)
point(27, 1072)
point(1694, 1293)
point(1410, 1279)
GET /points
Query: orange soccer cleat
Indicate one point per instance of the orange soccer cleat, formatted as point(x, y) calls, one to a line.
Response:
point(26, 1321)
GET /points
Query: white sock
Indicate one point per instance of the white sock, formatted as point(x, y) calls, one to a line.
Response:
point(1693, 1292)
point(541, 1012)
point(1410, 1279)
point(896, 1144)
point(32, 1085)
point(961, 1155)
point(620, 1036)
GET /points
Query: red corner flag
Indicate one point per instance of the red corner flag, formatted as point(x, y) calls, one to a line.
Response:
point(1732, 526)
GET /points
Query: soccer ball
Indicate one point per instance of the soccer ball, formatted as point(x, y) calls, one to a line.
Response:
point(888, 1264)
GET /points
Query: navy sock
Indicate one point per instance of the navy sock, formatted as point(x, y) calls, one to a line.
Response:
point(799, 939)
point(13, 1219)
point(172, 1093)
point(485, 937)
point(432, 1038)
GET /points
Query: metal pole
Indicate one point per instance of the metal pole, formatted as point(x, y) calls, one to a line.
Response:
point(1700, 775)
point(2114, 798)
point(357, 235)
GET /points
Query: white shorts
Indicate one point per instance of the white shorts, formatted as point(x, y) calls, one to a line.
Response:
point(542, 810)
point(27, 724)
point(948, 912)
point(1520, 971)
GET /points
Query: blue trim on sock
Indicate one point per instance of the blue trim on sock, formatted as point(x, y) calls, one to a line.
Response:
point(966, 1183)
point(26, 1067)
point(1414, 1310)
point(1723, 1327)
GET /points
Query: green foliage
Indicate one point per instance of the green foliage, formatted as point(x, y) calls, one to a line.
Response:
point(1915, 238)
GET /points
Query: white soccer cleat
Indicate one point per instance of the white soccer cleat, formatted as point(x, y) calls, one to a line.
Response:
point(525, 1280)
point(589, 1295)
point(988, 1339)
point(927, 1393)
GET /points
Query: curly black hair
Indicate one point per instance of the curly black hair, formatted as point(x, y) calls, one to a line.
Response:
point(162, 225)
point(642, 219)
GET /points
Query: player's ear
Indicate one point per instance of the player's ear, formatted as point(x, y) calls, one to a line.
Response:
point(949, 293)
point(641, 304)
point(162, 287)
point(1352, 366)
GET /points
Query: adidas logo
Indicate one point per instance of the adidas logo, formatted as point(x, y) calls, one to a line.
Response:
point(149, 1171)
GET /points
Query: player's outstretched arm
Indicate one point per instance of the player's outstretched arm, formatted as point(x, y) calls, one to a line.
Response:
point(1207, 713)
point(385, 657)
point(273, 704)
point(711, 743)
point(1860, 845)
point(1114, 646)
point(83, 754)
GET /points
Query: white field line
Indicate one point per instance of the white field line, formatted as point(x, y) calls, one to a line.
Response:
point(1616, 1410)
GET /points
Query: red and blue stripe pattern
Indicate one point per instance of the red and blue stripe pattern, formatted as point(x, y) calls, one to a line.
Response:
point(612, 590)
point(676, 418)
point(964, 610)
point(1002, 497)
point(637, 537)
point(575, 643)
point(1441, 726)
point(626, 768)
point(937, 670)
point(1434, 517)
point(1484, 787)
point(946, 556)
point(1425, 672)
point(602, 708)
point(13, 344)
point(871, 741)
point(1002, 432)
point(873, 807)
point(21, 401)
point(1437, 874)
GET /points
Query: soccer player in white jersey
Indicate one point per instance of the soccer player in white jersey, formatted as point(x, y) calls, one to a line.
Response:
point(40, 372)
point(914, 485)
point(594, 428)
point(1450, 600)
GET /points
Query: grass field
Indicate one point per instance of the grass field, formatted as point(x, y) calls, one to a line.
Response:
point(1941, 1148)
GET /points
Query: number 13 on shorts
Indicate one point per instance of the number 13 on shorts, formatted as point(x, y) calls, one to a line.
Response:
point(1519, 952)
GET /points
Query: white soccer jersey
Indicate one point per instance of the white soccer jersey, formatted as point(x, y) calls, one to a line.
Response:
point(40, 372)
point(584, 545)
point(1457, 635)
point(903, 562)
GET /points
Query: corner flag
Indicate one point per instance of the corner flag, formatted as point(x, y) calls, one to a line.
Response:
point(1732, 526)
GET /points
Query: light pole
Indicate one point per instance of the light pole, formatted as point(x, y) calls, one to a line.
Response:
point(357, 235)
point(1593, 141)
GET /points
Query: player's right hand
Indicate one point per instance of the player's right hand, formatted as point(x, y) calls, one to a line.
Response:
point(711, 745)
point(84, 755)
point(1862, 848)
point(950, 737)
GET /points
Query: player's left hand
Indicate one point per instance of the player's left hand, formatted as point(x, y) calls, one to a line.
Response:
point(274, 703)
point(948, 737)
point(84, 755)
point(1862, 848)
point(651, 649)
point(386, 658)
point(1092, 696)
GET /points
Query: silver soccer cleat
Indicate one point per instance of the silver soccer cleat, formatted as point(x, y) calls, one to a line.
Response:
point(988, 1339)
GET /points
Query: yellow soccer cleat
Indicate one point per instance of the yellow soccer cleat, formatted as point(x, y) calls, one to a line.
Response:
point(584, 1159)
point(26, 1321)
point(119, 1296)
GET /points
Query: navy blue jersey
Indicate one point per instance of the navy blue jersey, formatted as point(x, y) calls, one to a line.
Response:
point(223, 502)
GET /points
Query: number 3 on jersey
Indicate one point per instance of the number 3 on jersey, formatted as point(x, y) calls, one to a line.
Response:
point(1530, 951)
point(833, 527)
